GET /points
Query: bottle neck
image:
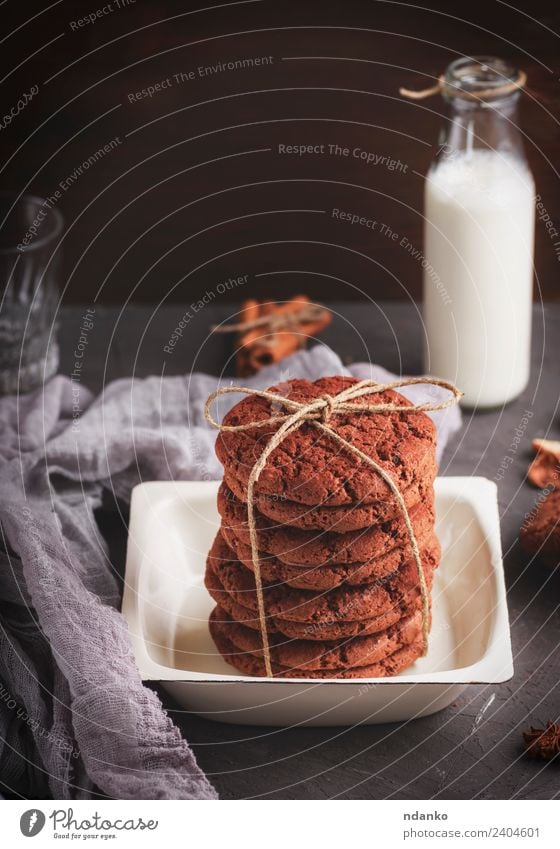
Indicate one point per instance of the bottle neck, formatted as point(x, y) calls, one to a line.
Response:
point(490, 125)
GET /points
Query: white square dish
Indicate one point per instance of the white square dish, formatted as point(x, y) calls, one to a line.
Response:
point(166, 606)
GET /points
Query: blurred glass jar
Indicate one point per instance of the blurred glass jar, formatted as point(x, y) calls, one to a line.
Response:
point(30, 231)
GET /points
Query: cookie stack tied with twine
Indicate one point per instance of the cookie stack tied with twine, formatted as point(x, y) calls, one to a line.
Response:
point(323, 564)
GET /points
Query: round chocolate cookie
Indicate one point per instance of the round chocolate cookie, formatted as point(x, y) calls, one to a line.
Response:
point(306, 655)
point(329, 575)
point(309, 466)
point(327, 630)
point(342, 604)
point(540, 533)
point(313, 548)
point(349, 517)
point(250, 664)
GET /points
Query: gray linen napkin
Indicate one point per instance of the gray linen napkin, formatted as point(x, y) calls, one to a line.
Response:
point(75, 719)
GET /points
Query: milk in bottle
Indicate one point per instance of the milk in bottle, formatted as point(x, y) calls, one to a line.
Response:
point(479, 228)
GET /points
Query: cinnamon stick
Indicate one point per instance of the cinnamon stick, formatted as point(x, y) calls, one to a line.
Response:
point(250, 310)
point(269, 343)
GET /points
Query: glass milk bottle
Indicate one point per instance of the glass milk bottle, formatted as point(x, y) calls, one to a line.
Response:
point(479, 230)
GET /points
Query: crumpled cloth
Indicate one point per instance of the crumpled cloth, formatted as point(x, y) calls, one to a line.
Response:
point(75, 718)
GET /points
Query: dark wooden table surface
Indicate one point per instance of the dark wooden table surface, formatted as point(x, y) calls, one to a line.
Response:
point(471, 749)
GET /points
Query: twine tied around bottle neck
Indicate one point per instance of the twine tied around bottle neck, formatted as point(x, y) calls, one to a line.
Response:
point(443, 86)
point(319, 413)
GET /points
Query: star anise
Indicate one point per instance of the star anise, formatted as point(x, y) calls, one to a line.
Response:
point(543, 742)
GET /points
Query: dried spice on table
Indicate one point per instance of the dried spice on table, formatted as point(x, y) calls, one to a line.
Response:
point(544, 471)
point(543, 743)
point(267, 331)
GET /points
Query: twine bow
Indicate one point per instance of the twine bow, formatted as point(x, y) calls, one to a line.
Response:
point(319, 412)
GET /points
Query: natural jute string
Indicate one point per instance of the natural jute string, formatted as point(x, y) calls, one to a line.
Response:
point(318, 413)
point(455, 91)
point(306, 314)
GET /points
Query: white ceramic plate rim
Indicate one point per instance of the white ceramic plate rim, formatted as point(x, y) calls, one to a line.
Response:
point(495, 666)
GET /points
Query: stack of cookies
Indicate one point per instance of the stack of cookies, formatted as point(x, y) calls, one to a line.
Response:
point(341, 588)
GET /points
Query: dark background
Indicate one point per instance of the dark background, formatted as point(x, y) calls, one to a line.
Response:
point(196, 192)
